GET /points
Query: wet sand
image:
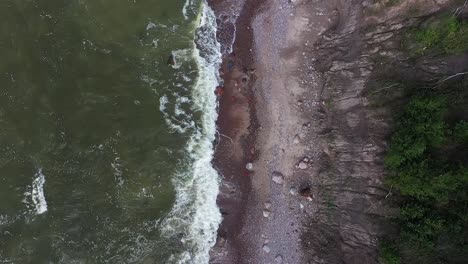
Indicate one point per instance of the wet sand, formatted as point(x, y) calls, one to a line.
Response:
point(259, 123)
point(237, 125)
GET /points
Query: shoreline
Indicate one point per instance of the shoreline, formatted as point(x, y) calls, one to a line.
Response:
point(237, 126)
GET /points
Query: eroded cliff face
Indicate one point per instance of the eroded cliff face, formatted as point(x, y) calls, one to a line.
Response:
point(352, 121)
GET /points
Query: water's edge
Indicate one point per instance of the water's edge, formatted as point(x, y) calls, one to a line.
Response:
point(195, 211)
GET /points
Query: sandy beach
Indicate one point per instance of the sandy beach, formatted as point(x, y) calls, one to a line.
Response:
point(263, 128)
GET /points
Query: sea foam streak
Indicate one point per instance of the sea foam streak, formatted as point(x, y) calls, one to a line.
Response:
point(184, 9)
point(195, 213)
point(37, 193)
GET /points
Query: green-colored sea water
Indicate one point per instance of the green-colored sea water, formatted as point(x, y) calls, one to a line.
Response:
point(94, 127)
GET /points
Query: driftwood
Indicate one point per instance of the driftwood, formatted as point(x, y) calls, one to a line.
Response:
point(453, 76)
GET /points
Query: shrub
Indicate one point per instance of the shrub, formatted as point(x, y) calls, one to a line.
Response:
point(425, 170)
point(420, 126)
point(460, 132)
point(447, 35)
point(389, 252)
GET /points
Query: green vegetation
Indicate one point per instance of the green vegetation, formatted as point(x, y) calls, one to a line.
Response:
point(389, 253)
point(429, 169)
point(389, 3)
point(447, 35)
point(427, 162)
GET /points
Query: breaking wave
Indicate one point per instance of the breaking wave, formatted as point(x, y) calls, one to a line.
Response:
point(195, 214)
point(36, 194)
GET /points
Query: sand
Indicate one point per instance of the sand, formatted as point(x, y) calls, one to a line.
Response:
point(262, 122)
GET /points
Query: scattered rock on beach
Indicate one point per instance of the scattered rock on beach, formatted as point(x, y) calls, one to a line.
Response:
point(267, 205)
point(307, 193)
point(296, 140)
point(293, 191)
point(302, 165)
point(279, 259)
point(249, 166)
point(221, 241)
point(266, 248)
point(277, 177)
point(306, 125)
point(266, 213)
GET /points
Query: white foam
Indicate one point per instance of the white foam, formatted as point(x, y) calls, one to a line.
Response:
point(150, 25)
point(180, 56)
point(162, 103)
point(117, 168)
point(195, 213)
point(37, 193)
point(184, 9)
point(177, 121)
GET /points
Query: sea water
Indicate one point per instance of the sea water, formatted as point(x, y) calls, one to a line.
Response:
point(105, 147)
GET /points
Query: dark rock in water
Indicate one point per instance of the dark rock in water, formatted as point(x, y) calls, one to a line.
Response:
point(171, 61)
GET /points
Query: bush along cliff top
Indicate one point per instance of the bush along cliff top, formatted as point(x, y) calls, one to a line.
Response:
point(445, 35)
point(427, 165)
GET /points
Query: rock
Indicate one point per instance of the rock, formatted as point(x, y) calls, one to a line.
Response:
point(302, 165)
point(279, 259)
point(301, 206)
point(278, 179)
point(307, 193)
point(221, 241)
point(249, 166)
point(293, 191)
point(306, 125)
point(267, 205)
point(296, 140)
point(306, 160)
point(266, 213)
point(266, 248)
point(171, 61)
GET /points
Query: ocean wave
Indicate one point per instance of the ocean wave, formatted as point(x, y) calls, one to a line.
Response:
point(36, 194)
point(195, 214)
point(187, 4)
